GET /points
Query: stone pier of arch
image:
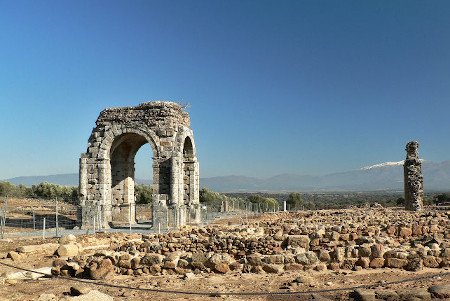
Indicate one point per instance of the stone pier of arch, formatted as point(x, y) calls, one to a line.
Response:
point(107, 170)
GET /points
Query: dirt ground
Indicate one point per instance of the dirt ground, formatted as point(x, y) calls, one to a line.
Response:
point(32, 289)
point(146, 287)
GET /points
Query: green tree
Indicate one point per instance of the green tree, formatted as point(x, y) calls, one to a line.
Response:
point(400, 201)
point(143, 194)
point(6, 189)
point(441, 198)
point(51, 191)
point(294, 200)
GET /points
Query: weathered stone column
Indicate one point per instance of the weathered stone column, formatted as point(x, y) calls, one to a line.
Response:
point(413, 178)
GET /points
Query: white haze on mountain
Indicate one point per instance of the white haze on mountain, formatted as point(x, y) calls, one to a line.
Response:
point(385, 164)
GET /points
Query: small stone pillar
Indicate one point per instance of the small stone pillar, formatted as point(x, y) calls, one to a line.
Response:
point(413, 178)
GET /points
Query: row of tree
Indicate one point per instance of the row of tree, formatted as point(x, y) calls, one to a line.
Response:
point(42, 190)
point(217, 201)
point(253, 202)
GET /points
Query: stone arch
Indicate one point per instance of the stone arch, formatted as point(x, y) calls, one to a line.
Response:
point(112, 136)
point(107, 168)
point(121, 174)
point(188, 169)
point(188, 148)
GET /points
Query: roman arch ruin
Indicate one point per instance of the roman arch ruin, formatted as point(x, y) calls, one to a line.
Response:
point(107, 168)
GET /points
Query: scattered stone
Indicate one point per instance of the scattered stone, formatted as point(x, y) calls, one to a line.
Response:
point(188, 276)
point(47, 297)
point(272, 268)
point(67, 239)
point(151, 259)
point(304, 279)
point(14, 256)
point(301, 241)
point(79, 290)
point(415, 263)
point(46, 249)
point(254, 259)
point(376, 263)
point(440, 291)
point(93, 295)
point(363, 295)
point(102, 270)
point(396, 262)
point(414, 293)
point(386, 294)
point(68, 250)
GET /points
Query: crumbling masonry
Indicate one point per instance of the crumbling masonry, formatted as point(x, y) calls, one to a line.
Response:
point(413, 177)
point(107, 168)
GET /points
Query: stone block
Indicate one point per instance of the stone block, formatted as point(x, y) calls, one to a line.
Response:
point(440, 291)
point(396, 262)
point(68, 250)
point(295, 241)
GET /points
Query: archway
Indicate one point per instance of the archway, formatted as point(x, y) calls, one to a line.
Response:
point(107, 169)
point(143, 183)
point(188, 169)
point(123, 179)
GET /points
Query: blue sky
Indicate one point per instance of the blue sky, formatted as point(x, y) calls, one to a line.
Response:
point(306, 87)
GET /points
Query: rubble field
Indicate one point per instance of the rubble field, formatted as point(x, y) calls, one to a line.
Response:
point(374, 252)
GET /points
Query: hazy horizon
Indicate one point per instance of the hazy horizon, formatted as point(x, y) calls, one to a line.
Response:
point(147, 176)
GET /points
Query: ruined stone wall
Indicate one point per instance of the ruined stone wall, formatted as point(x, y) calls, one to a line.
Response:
point(413, 178)
point(355, 239)
point(107, 168)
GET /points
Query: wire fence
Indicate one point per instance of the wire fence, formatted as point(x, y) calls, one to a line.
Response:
point(54, 218)
point(26, 216)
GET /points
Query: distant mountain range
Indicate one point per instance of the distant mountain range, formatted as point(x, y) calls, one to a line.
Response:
point(383, 176)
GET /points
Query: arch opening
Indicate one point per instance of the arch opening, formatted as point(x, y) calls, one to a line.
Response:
point(143, 189)
point(188, 170)
point(123, 176)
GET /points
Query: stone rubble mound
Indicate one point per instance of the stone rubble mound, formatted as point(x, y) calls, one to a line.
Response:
point(351, 239)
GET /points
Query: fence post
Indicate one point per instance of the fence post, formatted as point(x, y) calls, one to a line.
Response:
point(56, 217)
point(99, 217)
point(93, 222)
point(188, 213)
point(5, 207)
point(2, 223)
point(129, 216)
point(43, 229)
point(34, 220)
